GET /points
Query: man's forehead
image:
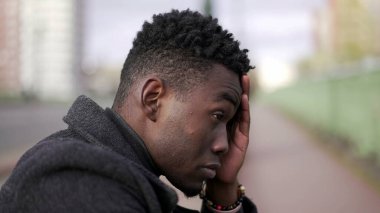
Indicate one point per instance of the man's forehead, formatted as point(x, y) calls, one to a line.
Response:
point(233, 98)
point(225, 78)
point(224, 85)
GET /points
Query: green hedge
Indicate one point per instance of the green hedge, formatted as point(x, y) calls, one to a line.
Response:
point(348, 107)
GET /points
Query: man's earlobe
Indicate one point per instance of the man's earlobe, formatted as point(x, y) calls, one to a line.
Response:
point(151, 92)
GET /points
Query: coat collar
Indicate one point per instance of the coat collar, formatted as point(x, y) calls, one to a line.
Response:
point(108, 130)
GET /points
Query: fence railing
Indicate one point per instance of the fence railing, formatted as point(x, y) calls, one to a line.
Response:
point(347, 106)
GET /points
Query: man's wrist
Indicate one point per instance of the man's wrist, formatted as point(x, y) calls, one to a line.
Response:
point(234, 210)
point(222, 193)
point(222, 196)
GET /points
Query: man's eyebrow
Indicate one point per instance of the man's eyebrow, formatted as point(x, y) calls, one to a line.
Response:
point(227, 96)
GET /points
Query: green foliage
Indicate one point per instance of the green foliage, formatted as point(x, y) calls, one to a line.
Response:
point(347, 107)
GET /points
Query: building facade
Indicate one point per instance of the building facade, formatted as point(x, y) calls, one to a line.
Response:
point(47, 49)
point(9, 48)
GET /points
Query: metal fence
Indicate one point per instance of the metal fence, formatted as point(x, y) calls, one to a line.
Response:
point(346, 106)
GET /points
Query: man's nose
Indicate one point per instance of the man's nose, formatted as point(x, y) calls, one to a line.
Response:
point(220, 144)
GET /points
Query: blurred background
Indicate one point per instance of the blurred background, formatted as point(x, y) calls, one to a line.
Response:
point(316, 103)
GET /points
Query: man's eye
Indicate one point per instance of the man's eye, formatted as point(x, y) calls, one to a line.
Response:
point(218, 115)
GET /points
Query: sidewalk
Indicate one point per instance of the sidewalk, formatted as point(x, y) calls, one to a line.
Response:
point(287, 171)
point(21, 126)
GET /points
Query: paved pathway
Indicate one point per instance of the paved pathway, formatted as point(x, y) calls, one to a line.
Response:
point(23, 125)
point(285, 171)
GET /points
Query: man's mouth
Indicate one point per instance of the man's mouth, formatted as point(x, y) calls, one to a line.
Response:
point(209, 171)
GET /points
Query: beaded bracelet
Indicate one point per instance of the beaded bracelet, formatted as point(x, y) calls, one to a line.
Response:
point(209, 203)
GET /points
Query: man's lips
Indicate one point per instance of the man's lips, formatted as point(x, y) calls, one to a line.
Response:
point(209, 170)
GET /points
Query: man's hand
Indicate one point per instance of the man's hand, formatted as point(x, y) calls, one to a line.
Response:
point(223, 188)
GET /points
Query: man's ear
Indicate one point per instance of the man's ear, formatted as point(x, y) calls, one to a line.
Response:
point(152, 90)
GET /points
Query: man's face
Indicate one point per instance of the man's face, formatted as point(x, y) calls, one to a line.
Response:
point(192, 133)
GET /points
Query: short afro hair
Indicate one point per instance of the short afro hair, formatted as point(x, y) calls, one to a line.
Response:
point(179, 47)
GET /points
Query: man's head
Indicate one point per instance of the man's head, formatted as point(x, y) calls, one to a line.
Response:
point(180, 47)
point(179, 90)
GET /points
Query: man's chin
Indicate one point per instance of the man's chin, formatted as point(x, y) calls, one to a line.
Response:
point(190, 192)
point(190, 189)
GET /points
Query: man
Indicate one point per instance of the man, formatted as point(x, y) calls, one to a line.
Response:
point(181, 110)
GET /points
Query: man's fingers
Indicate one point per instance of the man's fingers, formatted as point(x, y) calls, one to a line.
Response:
point(245, 118)
point(245, 84)
point(244, 121)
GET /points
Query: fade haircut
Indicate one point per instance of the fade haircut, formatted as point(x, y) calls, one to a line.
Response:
point(180, 47)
